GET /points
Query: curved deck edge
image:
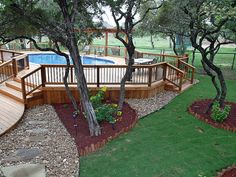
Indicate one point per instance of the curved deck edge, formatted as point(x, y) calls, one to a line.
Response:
point(11, 112)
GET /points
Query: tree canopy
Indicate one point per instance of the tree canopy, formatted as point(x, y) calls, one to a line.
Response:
point(56, 19)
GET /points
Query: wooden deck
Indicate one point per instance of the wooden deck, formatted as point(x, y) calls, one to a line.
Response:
point(11, 112)
point(25, 87)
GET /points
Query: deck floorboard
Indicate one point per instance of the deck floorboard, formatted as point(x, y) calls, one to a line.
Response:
point(11, 112)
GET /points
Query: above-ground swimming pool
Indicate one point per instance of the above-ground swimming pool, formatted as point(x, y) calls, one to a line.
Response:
point(43, 58)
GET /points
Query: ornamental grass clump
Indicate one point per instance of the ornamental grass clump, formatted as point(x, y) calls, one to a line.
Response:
point(219, 114)
point(104, 111)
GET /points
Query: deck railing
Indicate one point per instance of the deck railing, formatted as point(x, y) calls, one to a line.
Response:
point(174, 69)
point(105, 74)
point(188, 70)
point(31, 82)
point(19, 61)
point(6, 71)
point(174, 75)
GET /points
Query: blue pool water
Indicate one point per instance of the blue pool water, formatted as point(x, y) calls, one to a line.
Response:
point(57, 59)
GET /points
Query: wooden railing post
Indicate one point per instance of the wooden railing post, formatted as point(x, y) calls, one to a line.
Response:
point(23, 89)
point(192, 77)
point(178, 63)
point(43, 76)
point(149, 77)
point(14, 67)
point(27, 62)
point(2, 56)
point(98, 74)
point(71, 74)
point(180, 81)
point(106, 44)
point(164, 71)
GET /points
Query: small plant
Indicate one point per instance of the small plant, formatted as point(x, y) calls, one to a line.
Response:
point(219, 114)
point(97, 99)
point(106, 112)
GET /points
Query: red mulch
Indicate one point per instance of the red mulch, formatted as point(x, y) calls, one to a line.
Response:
point(85, 143)
point(199, 108)
point(228, 172)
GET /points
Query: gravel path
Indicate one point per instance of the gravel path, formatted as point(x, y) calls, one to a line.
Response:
point(146, 106)
point(40, 138)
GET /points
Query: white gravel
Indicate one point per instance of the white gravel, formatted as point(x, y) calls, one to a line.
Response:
point(146, 106)
point(40, 138)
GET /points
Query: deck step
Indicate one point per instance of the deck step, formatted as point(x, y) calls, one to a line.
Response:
point(26, 83)
point(14, 85)
point(12, 93)
point(171, 87)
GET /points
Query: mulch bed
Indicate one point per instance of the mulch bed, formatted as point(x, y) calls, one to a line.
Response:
point(228, 172)
point(85, 143)
point(198, 109)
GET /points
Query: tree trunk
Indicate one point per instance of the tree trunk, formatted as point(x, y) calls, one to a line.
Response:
point(182, 47)
point(67, 86)
point(127, 76)
point(40, 37)
point(223, 87)
point(71, 44)
point(213, 80)
point(22, 44)
point(151, 40)
point(174, 44)
point(94, 127)
point(222, 90)
point(170, 42)
point(193, 58)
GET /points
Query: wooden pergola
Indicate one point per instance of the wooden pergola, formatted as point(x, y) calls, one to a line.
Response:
point(106, 31)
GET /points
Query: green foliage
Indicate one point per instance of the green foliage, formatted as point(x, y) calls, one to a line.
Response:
point(218, 114)
point(103, 111)
point(106, 112)
point(24, 18)
point(97, 99)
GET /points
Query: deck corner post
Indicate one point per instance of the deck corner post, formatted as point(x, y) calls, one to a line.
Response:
point(181, 82)
point(14, 67)
point(192, 77)
point(98, 76)
point(164, 71)
point(43, 75)
point(149, 76)
point(23, 89)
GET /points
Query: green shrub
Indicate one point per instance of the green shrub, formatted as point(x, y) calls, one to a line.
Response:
point(97, 99)
point(218, 114)
point(103, 111)
point(106, 112)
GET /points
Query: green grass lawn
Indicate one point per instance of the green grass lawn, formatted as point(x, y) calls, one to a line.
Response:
point(168, 143)
point(139, 42)
point(143, 44)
